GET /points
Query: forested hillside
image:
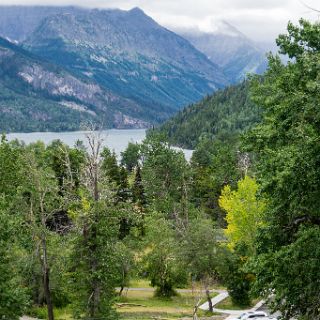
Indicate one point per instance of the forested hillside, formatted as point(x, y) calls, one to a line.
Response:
point(37, 95)
point(227, 112)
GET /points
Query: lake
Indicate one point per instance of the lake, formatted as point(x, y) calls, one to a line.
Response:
point(114, 139)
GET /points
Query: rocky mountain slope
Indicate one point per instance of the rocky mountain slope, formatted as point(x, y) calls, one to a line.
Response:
point(66, 64)
point(121, 65)
point(37, 95)
point(128, 53)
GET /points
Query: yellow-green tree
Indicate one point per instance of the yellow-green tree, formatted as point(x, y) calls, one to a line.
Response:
point(244, 213)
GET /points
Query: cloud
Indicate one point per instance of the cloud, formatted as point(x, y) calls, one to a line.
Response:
point(261, 20)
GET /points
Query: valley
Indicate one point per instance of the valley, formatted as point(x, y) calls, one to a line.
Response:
point(118, 69)
point(155, 164)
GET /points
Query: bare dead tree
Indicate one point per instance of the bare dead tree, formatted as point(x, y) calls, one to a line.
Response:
point(92, 175)
point(244, 162)
point(93, 163)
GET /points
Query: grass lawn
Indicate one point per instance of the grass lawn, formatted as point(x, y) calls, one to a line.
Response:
point(145, 283)
point(143, 305)
point(228, 305)
point(59, 314)
point(140, 283)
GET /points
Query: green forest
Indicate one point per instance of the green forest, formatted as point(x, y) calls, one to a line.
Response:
point(23, 113)
point(79, 226)
point(227, 112)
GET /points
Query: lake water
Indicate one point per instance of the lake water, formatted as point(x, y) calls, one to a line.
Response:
point(114, 139)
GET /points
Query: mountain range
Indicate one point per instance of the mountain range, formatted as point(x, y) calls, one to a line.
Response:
point(36, 94)
point(231, 50)
point(63, 65)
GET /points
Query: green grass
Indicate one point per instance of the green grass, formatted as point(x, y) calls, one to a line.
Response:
point(140, 283)
point(59, 314)
point(227, 304)
point(143, 305)
point(145, 283)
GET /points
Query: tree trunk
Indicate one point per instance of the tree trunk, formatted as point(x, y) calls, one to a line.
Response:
point(209, 300)
point(194, 314)
point(45, 265)
point(121, 290)
point(95, 285)
point(46, 280)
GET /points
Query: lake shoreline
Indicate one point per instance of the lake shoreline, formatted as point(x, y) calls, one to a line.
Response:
point(116, 140)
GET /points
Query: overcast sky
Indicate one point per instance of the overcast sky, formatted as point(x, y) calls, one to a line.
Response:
point(261, 20)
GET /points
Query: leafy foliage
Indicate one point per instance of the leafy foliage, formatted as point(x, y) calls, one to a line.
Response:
point(227, 112)
point(13, 296)
point(294, 273)
point(162, 265)
point(200, 250)
point(130, 157)
point(214, 164)
point(236, 278)
point(164, 173)
point(287, 147)
point(245, 213)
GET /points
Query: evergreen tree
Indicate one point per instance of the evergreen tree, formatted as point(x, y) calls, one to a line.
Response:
point(214, 165)
point(110, 166)
point(138, 193)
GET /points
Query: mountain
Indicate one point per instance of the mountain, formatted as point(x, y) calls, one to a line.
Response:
point(227, 112)
point(18, 22)
point(143, 73)
point(37, 95)
point(231, 50)
point(128, 53)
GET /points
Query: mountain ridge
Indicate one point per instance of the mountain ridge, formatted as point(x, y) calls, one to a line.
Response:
point(117, 48)
point(32, 81)
point(232, 51)
point(116, 65)
point(139, 72)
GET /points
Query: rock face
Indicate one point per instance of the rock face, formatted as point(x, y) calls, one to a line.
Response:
point(231, 50)
point(63, 96)
point(128, 53)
